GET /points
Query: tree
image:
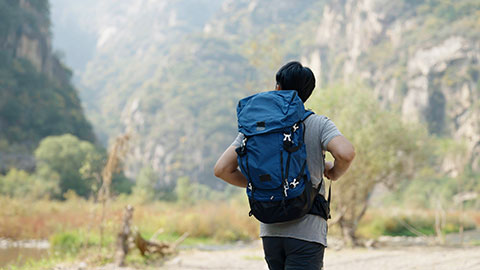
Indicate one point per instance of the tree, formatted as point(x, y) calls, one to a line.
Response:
point(184, 190)
point(20, 184)
point(388, 149)
point(146, 183)
point(91, 169)
point(70, 157)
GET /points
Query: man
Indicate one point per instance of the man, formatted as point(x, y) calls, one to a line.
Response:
point(298, 244)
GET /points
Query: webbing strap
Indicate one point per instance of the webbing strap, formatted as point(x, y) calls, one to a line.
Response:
point(329, 192)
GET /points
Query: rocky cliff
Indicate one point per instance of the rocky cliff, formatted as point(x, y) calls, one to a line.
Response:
point(28, 37)
point(172, 71)
point(36, 97)
point(421, 58)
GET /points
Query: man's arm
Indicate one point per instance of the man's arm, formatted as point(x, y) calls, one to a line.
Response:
point(226, 168)
point(343, 153)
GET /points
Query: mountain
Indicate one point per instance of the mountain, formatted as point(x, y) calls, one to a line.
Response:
point(420, 57)
point(36, 96)
point(171, 72)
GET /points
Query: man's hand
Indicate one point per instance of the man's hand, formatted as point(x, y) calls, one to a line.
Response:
point(327, 170)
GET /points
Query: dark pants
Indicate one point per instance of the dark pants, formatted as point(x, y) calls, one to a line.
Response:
point(282, 253)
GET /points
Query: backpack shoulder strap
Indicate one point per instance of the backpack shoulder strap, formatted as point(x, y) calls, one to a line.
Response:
point(307, 114)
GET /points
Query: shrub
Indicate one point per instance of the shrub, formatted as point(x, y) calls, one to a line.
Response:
point(409, 224)
point(66, 242)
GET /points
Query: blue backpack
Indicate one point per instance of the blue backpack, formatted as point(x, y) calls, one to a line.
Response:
point(273, 155)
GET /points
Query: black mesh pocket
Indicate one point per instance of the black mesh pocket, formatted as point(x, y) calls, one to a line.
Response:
point(321, 207)
point(285, 210)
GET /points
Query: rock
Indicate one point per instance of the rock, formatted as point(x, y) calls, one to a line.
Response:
point(430, 81)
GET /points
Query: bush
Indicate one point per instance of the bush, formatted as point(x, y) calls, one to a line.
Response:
point(74, 241)
point(379, 223)
point(77, 162)
point(20, 184)
point(145, 184)
point(66, 242)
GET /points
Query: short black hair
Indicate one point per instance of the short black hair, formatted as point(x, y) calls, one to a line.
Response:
point(294, 76)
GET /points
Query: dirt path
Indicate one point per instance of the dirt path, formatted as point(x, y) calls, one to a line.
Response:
point(406, 258)
point(250, 257)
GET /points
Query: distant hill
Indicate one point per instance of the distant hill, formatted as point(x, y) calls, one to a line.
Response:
point(36, 96)
point(171, 72)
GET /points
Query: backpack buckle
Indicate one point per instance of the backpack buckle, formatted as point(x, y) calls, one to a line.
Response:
point(285, 188)
point(295, 127)
point(287, 137)
point(294, 183)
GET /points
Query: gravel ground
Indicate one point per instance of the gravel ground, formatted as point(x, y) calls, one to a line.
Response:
point(418, 257)
point(403, 258)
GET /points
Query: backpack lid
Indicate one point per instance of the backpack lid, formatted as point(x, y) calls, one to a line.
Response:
point(269, 111)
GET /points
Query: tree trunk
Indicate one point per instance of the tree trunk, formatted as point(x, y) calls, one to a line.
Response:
point(349, 226)
point(348, 233)
point(122, 237)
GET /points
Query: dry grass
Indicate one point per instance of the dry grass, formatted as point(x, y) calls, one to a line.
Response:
point(218, 220)
point(25, 219)
point(221, 220)
point(224, 221)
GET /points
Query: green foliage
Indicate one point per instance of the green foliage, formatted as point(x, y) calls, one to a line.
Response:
point(35, 13)
point(184, 190)
point(66, 242)
point(188, 192)
point(64, 163)
point(435, 21)
point(193, 127)
point(449, 11)
point(91, 168)
point(121, 184)
point(9, 18)
point(409, 225)
point(387, 149)
point(431, 188)
point(33, 105)
point(15, 183)
point(20, 184)
point(426, 190)
point(72, 241)
point(69, 157)
point(41, 6)
point(45, 184)
point(187, 85)
point(179, 94)
point(145, 184)
point(52, 108)
point(441, 19)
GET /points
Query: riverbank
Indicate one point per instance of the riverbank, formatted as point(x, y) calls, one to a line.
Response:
point(18, 252)
point(384, 253)
point(72, 229)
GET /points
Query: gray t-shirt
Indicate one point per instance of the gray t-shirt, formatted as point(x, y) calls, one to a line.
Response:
point(318, 133)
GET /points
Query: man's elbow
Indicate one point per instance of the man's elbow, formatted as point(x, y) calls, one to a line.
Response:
point(347, 154)
point(221, 171)
point(218, 171)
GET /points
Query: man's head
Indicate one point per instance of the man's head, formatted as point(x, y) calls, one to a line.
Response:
point(294, 76)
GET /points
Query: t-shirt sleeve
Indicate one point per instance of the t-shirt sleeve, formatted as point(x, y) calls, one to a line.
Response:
point(329, 132)
point(238, 140)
